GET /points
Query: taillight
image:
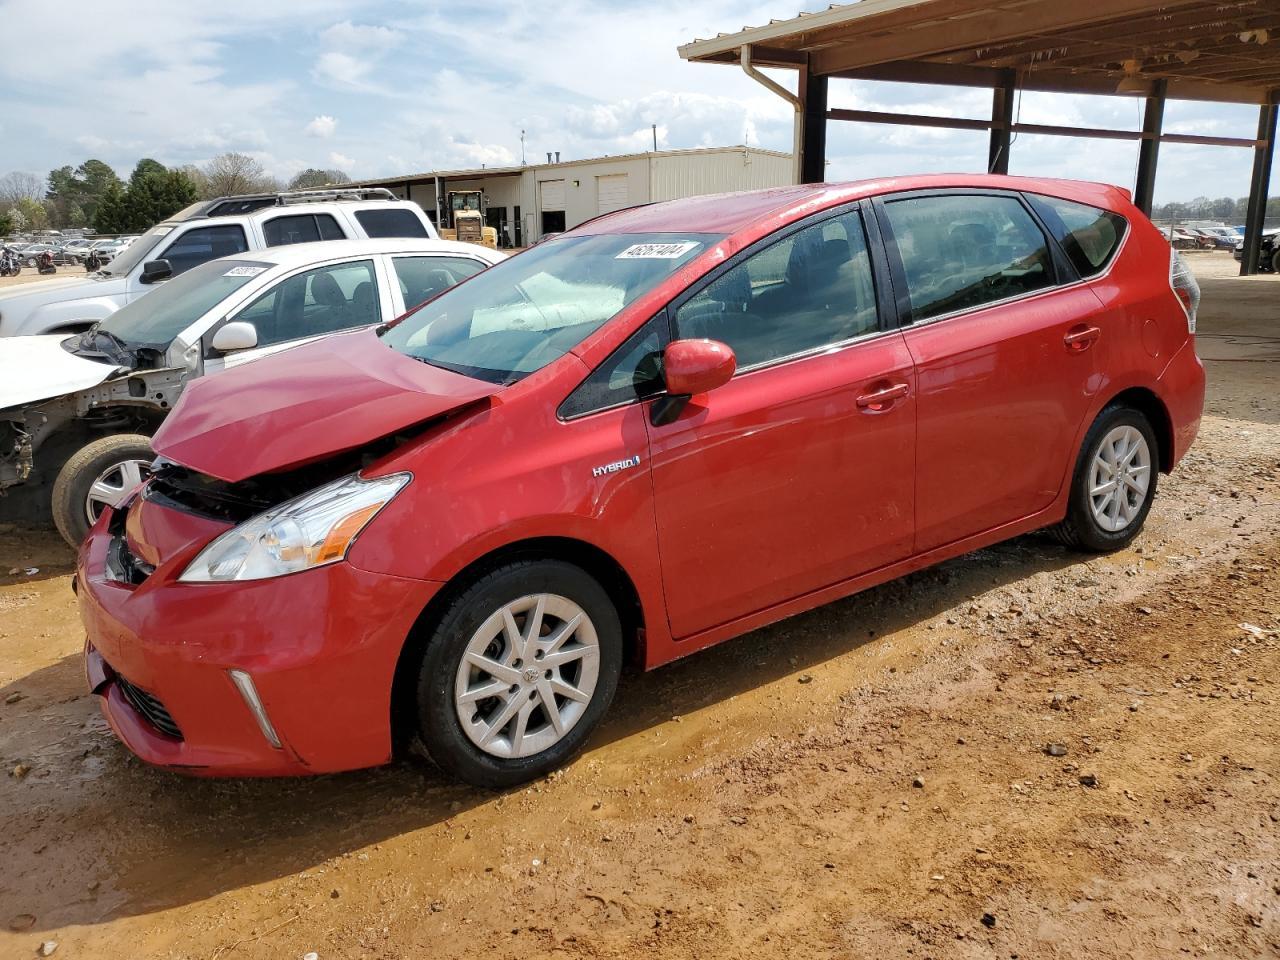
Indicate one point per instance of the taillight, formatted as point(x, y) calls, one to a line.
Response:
point(1185, 288)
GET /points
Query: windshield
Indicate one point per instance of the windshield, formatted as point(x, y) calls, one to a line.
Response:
point(520, 315)
point(158, 317)
point(136, 252)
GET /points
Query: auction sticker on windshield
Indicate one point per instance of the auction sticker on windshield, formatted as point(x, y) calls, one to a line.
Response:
point(657, 251)
point(245, 271)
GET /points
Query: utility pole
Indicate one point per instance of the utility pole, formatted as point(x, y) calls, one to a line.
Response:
point(655, 138)
point(522, 163)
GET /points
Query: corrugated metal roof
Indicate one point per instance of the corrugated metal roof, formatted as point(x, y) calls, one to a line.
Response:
point(1203, 49)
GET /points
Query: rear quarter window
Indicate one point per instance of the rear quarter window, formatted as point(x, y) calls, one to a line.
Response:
point(391, 223)
point(1088, 235)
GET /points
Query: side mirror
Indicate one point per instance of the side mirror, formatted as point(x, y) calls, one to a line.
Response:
point(691, 367)
point(236, 335)
point(153, 271)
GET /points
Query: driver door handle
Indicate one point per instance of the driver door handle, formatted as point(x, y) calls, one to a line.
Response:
point(880, 400)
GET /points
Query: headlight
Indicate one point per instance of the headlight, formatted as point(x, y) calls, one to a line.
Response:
point(312, 530)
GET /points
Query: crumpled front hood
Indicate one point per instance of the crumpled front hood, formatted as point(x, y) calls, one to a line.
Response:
point(305, 404)
point(39, 368)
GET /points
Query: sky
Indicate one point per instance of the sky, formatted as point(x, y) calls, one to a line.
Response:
point(378, 89)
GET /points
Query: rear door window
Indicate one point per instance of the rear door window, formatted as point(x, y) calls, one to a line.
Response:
point(301, 228)
point(391, 223)
point(959, 252)
point(421, 278)
point(1089, 236)
point(204, 244)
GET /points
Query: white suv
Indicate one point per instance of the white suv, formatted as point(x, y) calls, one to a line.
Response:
point(203, 232)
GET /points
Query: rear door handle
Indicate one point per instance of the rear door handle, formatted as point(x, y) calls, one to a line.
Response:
point(1081, 338)
point(880, 400)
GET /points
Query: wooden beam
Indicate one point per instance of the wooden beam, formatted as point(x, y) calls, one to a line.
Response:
point(908, 119)
point(1033, 129)
point(1173, 30)
point(1047, 80)
point(940, 35)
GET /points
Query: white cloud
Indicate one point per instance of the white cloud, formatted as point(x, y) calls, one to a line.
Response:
point(341, 160)
point(340, 68)
point(360, 37)
point(322, 126)
point(429, 85)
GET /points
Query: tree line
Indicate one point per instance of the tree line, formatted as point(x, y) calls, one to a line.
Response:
point(1204, 208)
point(93, 195)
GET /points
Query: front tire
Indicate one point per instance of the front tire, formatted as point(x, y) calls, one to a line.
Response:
point(1114, 482)
point(518, 672)
point(98, 475)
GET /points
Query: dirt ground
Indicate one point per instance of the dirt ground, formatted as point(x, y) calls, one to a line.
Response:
point(870, 779)
point(29, 275)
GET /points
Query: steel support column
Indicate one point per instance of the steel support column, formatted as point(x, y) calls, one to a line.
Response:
point(1002, 122)
point(1258, 187)
point(1149, 151)
point(813, 136)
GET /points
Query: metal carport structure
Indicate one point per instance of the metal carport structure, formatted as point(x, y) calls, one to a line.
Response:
point(1226, 51)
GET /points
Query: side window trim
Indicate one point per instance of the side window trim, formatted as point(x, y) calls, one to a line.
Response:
point(660, 321)
point(1062, 272)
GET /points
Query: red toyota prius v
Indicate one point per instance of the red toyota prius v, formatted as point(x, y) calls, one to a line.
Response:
point(669, 426)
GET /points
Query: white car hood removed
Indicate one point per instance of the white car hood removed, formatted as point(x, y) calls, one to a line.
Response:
point(38, 368)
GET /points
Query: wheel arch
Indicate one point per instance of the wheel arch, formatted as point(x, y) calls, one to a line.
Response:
point(611, 575)
point(1148, 402)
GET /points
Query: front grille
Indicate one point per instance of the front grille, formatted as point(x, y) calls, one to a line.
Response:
point(150, 708)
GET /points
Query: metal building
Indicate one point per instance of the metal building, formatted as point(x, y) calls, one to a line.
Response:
point(1215, 50)
point(524, 203)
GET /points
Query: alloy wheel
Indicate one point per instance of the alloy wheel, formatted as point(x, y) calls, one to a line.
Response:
point(1119, 478)
point(527, 676)
point(111, 486)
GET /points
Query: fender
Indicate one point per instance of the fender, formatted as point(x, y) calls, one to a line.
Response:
point(56, 317)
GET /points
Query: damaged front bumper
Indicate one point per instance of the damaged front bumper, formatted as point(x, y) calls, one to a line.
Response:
point(320, 648)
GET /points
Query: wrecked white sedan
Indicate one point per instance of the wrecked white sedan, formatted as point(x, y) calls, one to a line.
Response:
point(77, 412)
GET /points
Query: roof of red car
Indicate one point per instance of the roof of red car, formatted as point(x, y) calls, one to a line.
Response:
point(727, 213)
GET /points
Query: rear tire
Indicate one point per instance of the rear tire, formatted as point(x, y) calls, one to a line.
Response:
point(1114, 483)
point(108, 462)
point(526, 640)
point(1275, 262)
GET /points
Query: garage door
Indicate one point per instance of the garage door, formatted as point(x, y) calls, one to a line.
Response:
point(611, 192)
point(552, 194)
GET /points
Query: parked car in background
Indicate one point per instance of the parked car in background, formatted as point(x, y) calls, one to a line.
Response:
point(31, 252)
point(78, 409)
point(109, 249)
point(203, 232)
point(669, 426)
point(71, 250)
point(1268, 251)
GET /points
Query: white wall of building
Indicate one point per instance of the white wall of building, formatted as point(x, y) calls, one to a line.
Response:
point(649, 177)
point(693, 174)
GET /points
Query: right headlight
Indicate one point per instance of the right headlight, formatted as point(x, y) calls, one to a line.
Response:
point(312, 530)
